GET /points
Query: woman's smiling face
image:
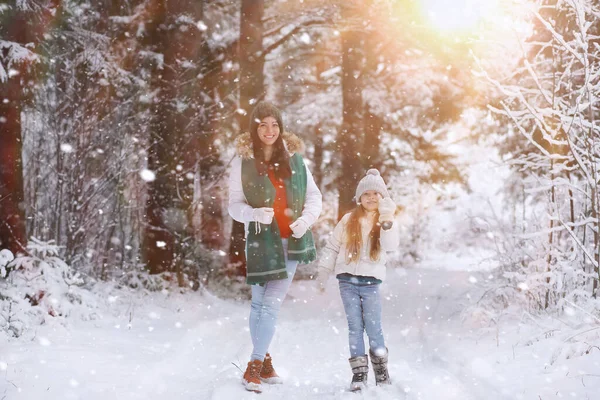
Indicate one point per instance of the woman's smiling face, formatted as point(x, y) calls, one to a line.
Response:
point(268, 131)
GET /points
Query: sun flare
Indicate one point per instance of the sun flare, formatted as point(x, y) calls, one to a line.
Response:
point(458, 15)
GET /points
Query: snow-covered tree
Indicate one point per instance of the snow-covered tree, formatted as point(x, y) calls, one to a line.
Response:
point(554, 148)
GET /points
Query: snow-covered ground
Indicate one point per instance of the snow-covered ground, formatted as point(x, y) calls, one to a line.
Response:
point(183, 347)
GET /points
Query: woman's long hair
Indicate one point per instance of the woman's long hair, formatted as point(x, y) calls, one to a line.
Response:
point(280, 160)
point(354, 236)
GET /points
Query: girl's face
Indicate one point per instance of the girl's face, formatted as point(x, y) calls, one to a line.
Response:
point(268, 131)
point(370, 200)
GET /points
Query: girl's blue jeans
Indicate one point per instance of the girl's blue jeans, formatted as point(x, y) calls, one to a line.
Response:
point(362, 304)
point(266, 302)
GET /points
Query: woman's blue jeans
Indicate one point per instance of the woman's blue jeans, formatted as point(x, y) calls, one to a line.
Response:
point(362, 304)
point(266, 302)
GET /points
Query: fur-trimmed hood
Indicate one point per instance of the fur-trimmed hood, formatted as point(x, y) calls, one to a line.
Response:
point(243, 145)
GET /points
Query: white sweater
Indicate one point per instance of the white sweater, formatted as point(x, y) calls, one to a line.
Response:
point(241, 211)
point(333, 257)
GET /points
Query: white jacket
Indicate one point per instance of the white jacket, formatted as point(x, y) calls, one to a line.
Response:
point(333, 257)
point(241, 211)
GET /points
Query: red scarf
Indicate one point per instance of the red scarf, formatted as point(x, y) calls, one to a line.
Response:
point(280, 206)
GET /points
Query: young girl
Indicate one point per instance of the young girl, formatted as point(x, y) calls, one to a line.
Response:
point(356, 251)
point(274, 194)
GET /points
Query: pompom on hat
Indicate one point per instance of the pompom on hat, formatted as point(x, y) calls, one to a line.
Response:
point(371, 181)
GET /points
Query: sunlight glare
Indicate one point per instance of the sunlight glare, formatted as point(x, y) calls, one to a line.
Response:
point(458, 15)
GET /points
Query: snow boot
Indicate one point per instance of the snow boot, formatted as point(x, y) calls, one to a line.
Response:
point(360, 369)
point(379, 362)
point(251, 379)
point(267, 373)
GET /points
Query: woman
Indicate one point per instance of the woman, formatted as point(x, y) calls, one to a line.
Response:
point(274, 194)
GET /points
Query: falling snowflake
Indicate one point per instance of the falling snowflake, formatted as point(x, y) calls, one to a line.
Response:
point(305, 38)
point(201, 26)
point(148, 175)
point(66, 148)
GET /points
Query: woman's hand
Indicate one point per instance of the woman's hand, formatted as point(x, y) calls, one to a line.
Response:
point(299, 228)
point(263, 215)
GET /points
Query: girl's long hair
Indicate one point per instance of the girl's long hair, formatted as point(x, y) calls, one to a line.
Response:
point(354, 236)
point(280, 160)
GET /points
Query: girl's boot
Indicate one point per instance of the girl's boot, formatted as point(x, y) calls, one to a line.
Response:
point(360, 369)
point(379, 362)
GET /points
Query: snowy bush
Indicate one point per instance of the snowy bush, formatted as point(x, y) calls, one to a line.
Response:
point(6, 256)
point(222, 279)
point(226, 284)
point(197, 264)
point(41, 286)
point(143, 280)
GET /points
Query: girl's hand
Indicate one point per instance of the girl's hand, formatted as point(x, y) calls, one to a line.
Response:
point(387, 209)
point(322, 278)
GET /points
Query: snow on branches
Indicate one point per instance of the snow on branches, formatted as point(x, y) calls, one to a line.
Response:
point(551, 102)
point(40, 286)
point(12, 54)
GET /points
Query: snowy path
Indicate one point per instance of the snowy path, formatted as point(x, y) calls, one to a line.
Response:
point(312, 337)
point(184, 349)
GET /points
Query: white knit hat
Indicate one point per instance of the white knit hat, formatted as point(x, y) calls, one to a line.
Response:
point(371, 181)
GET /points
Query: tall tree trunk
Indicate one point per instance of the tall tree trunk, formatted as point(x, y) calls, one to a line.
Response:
point(251, 63)
point(24, 27)
point(208, 165)
point(549, 259)
point(371, 157)
point(318, 158)
point(592, 155)
point(12, 212)
point(250, 57)
point(159, 241)
point(596, 226)
point(351, 133)
point(172, 154)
